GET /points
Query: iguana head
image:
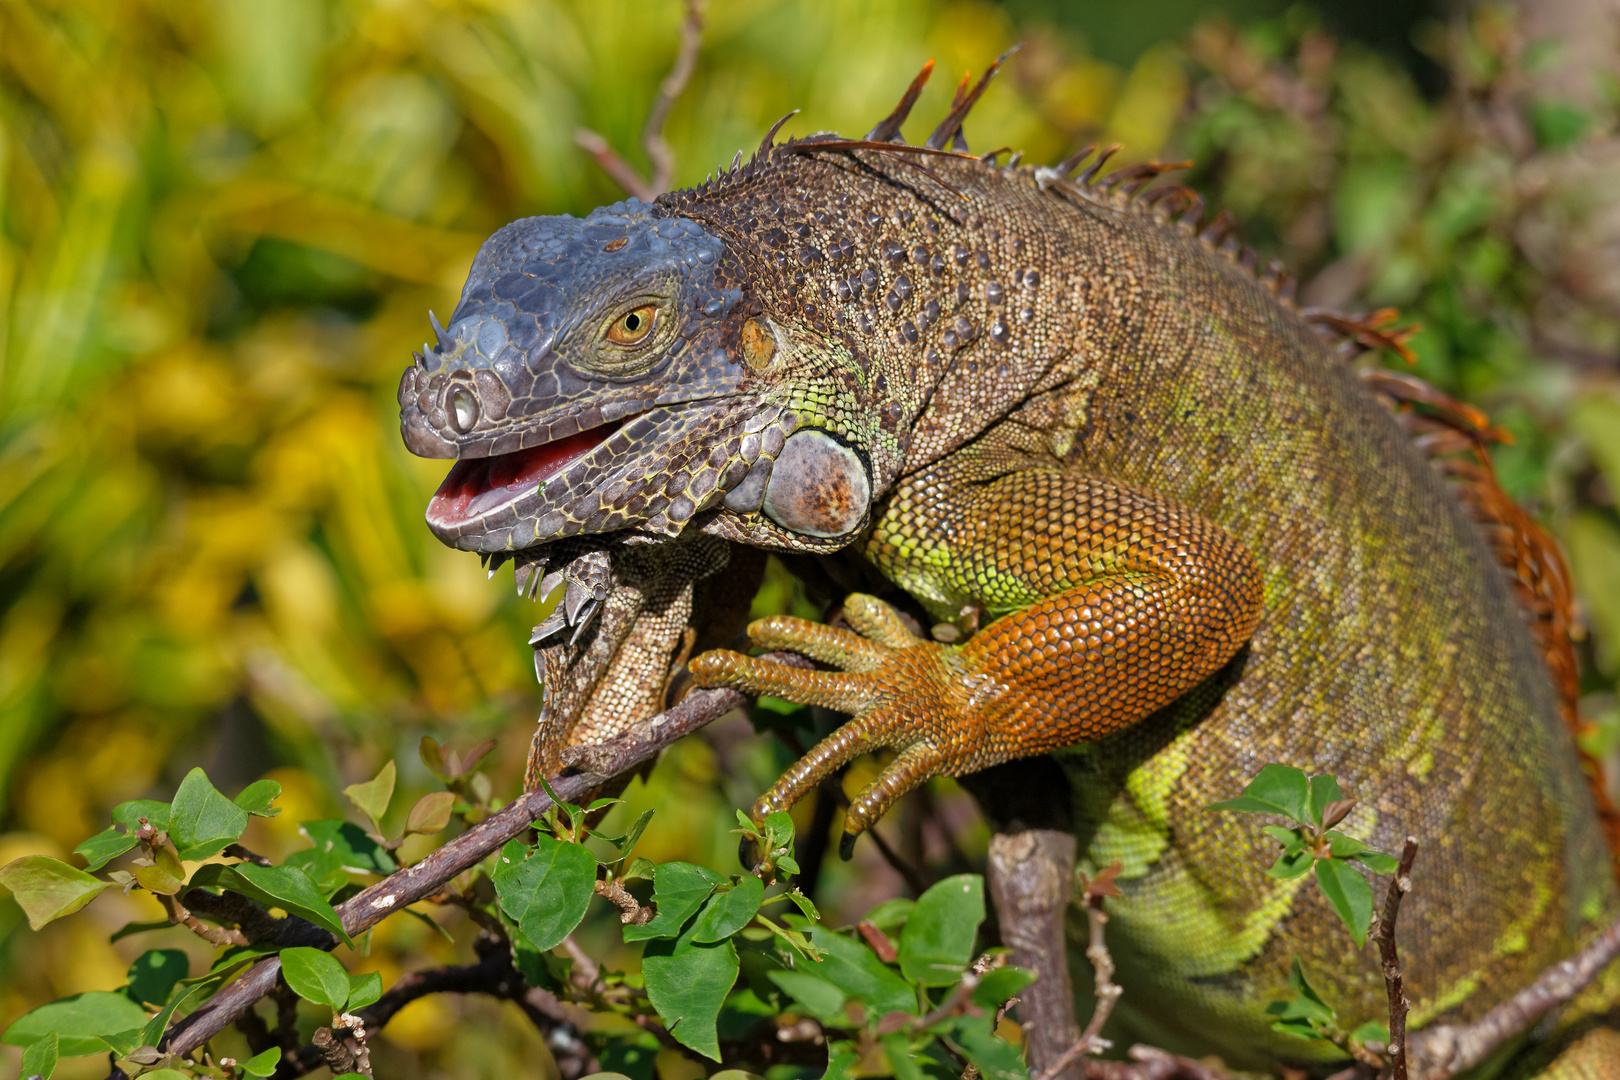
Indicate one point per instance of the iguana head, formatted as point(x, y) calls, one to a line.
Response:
point(621, 373)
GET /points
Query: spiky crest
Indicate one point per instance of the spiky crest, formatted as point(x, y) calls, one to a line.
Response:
point(889, 127)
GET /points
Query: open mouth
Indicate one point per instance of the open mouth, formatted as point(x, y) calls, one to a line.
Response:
point(476, 486)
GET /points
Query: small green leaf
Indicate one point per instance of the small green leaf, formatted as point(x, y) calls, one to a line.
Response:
point(104, 847)
point(344, 844)
point(999, 985)
point(1557, 124)
point(937, 943)
point(287, 887)
point(432, 755)
point(364, 989)
point(1373, 1031)
point(373, 796)
point(39, 1060)
point(47, 889)
point(779, 829)
point(316, 976)
point(890, 915)
point(547, 892)
point(1377, 861)
point(627, 843)
point(152, 1033)
point(1341, 846)
point(687, 982)
point(79, 1022)
point(679, 889)
point(996, 1058)
point(431, 813)
point(728, 909)
point(165, 876)
point(256, 799)
point(1291, 866)
point(1349, 894)
point(856, 970)
point(153, 975)
point(902, 1061)
point(818, 997)
point(129, 814)
point(841, 1056)
point(201, 820)
point(1275, 789)
point(1292, 840)
point(1324, 789)
point(805, 905)
point(262, 1065)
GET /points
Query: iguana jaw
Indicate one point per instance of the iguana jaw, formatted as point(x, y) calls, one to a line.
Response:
point(479, 486)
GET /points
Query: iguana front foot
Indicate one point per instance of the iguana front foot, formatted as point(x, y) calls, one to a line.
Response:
point(925, 700)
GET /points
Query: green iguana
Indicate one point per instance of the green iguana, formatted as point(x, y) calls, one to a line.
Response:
point(1156, 526)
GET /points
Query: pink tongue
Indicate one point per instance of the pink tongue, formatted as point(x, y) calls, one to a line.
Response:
point(476, 484)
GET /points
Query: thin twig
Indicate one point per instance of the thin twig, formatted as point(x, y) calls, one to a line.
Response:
point(659, 154)
point(669, 91)
point(631, 913)
point(427, 877)
point(1107, 991)
point(1399, 886)
point(217, 936)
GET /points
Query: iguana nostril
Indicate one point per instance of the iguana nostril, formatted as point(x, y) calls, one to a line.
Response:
point(463, 409)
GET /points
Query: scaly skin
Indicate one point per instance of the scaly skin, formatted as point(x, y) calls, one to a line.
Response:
point(1197, 540)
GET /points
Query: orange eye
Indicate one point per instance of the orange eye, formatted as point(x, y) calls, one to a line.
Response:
point(633, 326)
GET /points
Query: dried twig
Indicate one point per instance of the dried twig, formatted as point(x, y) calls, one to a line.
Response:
point(1102, 966)
point(427, 877)
point(631, 913)
point(1399, 886)
point(659, 154)
point(217, 936)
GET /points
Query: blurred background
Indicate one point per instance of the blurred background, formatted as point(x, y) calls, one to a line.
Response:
point(225, 221)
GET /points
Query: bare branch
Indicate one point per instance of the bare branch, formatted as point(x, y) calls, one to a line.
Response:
point(427, 877)
point(217, 936)
point(1102, 966)
point(1399, 886)
point(1031, 879)
point(659, 154)
point(652, 136)
point(1447, 1049)
point(631, 913)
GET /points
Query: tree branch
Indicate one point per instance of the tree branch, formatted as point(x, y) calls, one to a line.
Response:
point(1399, 886)
point(423, 879)
point(659, 154)
point(1445, 1050)
point(1031, 879)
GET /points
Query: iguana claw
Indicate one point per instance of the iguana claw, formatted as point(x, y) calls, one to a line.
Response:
point(903, 693)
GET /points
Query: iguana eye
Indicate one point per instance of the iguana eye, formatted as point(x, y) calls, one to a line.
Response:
point(633, 326)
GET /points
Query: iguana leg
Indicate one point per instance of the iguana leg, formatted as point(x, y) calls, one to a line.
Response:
point(1111, 604)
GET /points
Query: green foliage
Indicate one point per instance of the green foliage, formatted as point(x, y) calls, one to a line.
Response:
point(545, 888)
point(1314, 805)
point(47, 889)
point(316, 976)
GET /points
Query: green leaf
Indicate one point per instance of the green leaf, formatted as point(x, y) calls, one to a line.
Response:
point(1373, 1031)
point(818, 997)
point(891, 914)
point(364, 989)
point(547, 892)
point(104, 847)
point(805, 905)
point(1292, 840)
point(47, 889)
point(902, 1062)
point(165, 875)
point(256, 799)
point(1341, 846)
point(1275, 789)
point(626, 844)
point(431, 813)
point(1306, 1003)
point(679, 889)
point(999, 985)
point(201, 820)
point(687, 982)
point(316, 976)
point(287, 887)
point(78, 1021)
point(1557, 124)
point(856, 970)
point(373, 796)
point(345, 845)
point(778, 828)
point(996, 1058)
point(1349, 894)
point(1377, 861)
point(728, 909)
point(841, 1056)
point(937, 943)
point(1324, 789)
point(152, 1033)
point(39, 1060)
point(153, 975)
point(1291, 866)
point(129, 814)
point(264, 1064)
